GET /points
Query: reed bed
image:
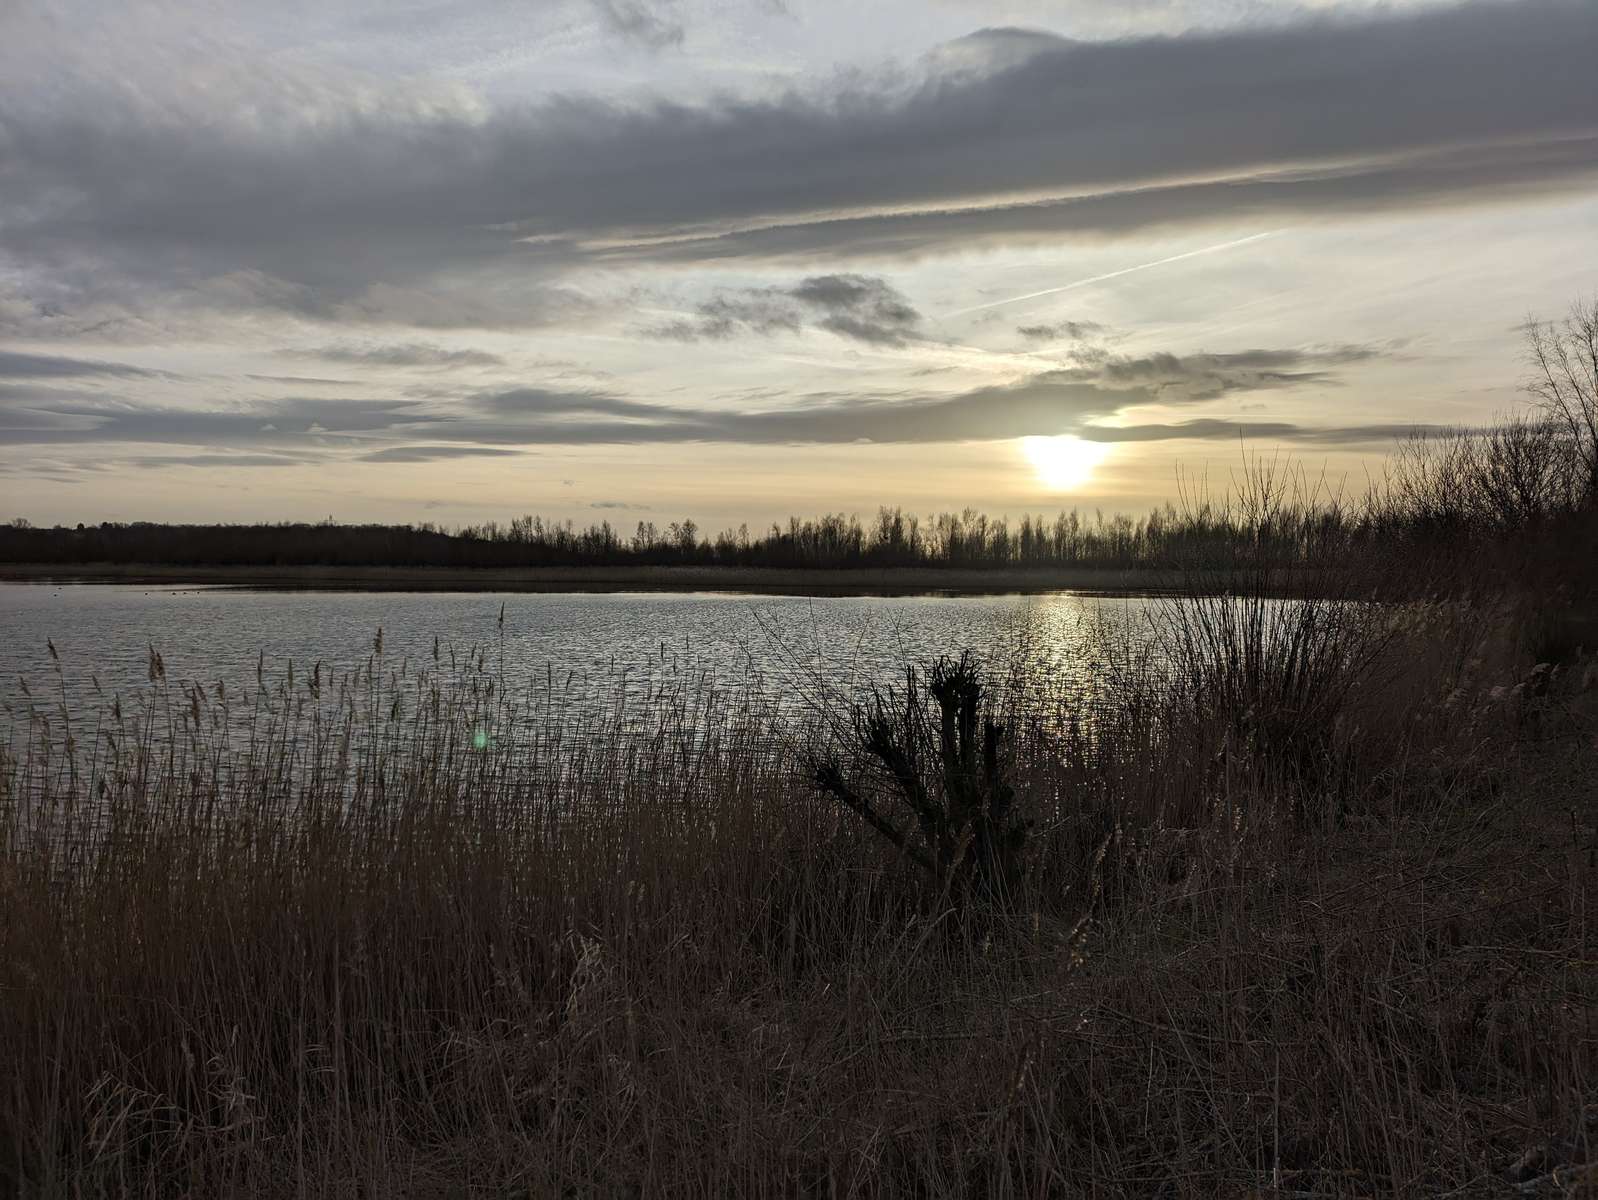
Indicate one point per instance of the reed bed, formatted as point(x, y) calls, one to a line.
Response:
point(407, 931)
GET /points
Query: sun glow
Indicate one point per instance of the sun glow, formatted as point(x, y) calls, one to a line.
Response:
point(1063, 464)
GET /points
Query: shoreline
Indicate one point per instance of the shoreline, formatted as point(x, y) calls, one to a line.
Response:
point(872, 581)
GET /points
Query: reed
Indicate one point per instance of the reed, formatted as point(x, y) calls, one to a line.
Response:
point(407, 932)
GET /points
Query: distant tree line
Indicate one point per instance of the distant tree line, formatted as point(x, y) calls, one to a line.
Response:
point(1438, 492)
point(893, 538)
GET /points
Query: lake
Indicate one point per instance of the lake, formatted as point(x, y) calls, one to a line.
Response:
point(588, 649)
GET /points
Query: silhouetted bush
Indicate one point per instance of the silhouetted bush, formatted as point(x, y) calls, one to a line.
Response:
point(949, 774)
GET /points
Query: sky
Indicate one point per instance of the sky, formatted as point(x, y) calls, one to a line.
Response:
point(624, 260)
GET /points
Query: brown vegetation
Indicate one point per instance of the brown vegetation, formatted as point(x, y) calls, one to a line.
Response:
point(378, 952)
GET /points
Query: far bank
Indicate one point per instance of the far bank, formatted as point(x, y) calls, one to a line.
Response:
point(869, 581)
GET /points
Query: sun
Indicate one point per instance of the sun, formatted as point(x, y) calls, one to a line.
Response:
point(1063, 464)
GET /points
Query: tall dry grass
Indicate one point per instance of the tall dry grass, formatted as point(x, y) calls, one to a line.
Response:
point(387, 934)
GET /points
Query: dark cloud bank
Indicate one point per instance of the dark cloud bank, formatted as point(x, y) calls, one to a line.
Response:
point(343, 214)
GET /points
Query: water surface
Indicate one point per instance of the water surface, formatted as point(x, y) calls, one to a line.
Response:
point(590, 649)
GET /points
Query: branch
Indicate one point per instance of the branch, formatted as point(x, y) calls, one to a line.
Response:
point(829, 779)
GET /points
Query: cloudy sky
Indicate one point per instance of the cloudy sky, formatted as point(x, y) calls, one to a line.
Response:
point(731, 259)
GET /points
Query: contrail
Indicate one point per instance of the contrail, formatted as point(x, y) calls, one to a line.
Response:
point(1253, 237)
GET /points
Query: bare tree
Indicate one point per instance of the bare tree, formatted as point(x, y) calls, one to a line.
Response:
point(1523, 471)
point(1564, 358)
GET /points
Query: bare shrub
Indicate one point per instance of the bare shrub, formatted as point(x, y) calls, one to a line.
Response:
point(1514, 476)
point(1564, 383)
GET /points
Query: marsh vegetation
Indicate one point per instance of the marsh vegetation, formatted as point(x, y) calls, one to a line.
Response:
point(1301, 905)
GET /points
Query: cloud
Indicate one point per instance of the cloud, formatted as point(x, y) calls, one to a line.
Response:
point(863, 308)
point(1052, 402)
point(406, 354)
point(304, 380)
point(640, 23)
point(1070, 331)
point(329, 200)
point(536, 401)
point(14, 365)
point(619, 504)
point(763, 311)
point(157, 461)
point(63, 417)
point(1206, 429)
point(1076, 399)
point(1206, 376)
point(1420, 180)
point(994, 49)
point(418, 454)
point(1049, 404)
point(72, 471)
point(1066, 400)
